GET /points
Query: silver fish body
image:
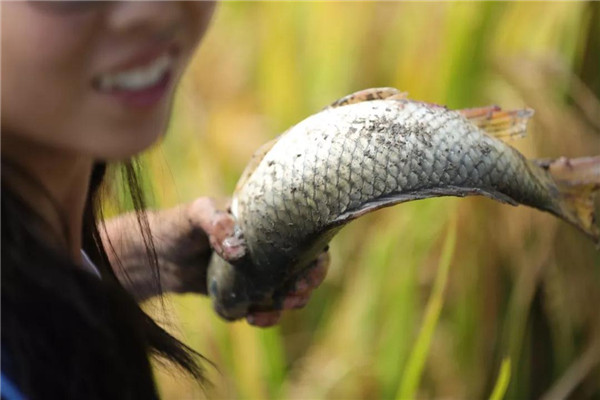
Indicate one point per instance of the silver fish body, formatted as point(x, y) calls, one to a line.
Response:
point(346, 161)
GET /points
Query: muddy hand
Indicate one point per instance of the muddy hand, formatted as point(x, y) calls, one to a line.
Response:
point(220, 228)
point(229, 244)
point(298, 297)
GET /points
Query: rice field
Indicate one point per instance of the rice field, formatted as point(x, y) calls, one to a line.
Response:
point(440, 298)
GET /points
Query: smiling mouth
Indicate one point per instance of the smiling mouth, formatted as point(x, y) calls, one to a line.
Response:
point(136, 79)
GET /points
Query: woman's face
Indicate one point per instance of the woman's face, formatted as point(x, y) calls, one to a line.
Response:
point(95, 78)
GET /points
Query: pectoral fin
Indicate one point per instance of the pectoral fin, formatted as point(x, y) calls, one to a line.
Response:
point(393, 199)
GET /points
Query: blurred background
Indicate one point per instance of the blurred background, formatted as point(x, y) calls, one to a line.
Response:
point(441, 298)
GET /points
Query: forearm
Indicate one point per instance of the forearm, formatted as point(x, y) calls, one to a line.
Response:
point(181, 248)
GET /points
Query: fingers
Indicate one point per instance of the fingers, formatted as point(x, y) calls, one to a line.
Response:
point(229, 243)
point(263, 319)
point(314, 276)
point(300, 296)
point(219, 226)
point(232, 247)
point(296, 301)
point(212, 219)
point(297, 298)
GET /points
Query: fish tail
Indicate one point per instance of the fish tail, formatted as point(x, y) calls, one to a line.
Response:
point(578, 182)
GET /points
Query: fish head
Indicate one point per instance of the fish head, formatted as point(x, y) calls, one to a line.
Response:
point(239, 288)
point(228, 289)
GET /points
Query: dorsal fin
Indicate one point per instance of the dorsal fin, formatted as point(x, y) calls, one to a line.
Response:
point(499, 123)
point(368, 95)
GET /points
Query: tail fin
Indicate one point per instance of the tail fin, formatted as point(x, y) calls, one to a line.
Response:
point(578, 180)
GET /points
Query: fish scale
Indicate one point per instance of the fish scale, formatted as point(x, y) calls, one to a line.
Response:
point(355, 157)
point(427, 133)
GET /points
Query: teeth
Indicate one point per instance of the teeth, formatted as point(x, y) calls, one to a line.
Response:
point(137, 79)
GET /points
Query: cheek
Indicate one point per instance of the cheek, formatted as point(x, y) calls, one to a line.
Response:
point(43, 73)
point(47, 66)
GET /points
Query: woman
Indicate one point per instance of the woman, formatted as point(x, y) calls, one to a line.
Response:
point(86, 84)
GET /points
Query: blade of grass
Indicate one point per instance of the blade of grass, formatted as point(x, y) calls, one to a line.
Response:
point(502, 382)
point(416, 362)
point(273, 365)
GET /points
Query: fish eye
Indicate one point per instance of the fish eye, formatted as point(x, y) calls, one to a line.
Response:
point(213, 287)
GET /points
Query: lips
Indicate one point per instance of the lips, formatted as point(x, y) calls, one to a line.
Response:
point(140, 81)
point(138, 78)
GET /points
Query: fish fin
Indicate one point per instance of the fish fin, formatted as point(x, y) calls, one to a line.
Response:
point(257, 157)
point(368, 95)
point(578, 181)
point(499, 123)
point(396, 198)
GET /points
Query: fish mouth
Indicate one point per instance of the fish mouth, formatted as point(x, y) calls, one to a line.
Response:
point(229, 304)
point(227, 289)
point(230, 313)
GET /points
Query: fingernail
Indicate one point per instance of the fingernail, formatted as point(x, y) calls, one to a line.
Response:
point(231, 242)
point(291, 302)
point(295, 302)
point(233, 248)
point(302, 302)
point(302, 285)
point(263, 319)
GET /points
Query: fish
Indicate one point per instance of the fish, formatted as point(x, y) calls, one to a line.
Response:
point(372, 149)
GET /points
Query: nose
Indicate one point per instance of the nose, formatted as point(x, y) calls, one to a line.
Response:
point(143, 17)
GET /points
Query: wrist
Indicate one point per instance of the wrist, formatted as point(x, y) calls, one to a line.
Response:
point(183, 249)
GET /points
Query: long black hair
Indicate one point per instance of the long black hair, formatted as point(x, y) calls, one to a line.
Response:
point(65, 333)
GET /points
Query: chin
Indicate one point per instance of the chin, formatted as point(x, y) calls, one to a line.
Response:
point(125, 144)
point(128, 140)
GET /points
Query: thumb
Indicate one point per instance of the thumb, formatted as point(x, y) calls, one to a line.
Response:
point(211, 215)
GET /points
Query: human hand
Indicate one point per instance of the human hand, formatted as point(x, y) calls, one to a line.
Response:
point(219, 226)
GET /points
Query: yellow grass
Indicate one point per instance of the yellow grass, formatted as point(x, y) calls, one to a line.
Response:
point(522, 284)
